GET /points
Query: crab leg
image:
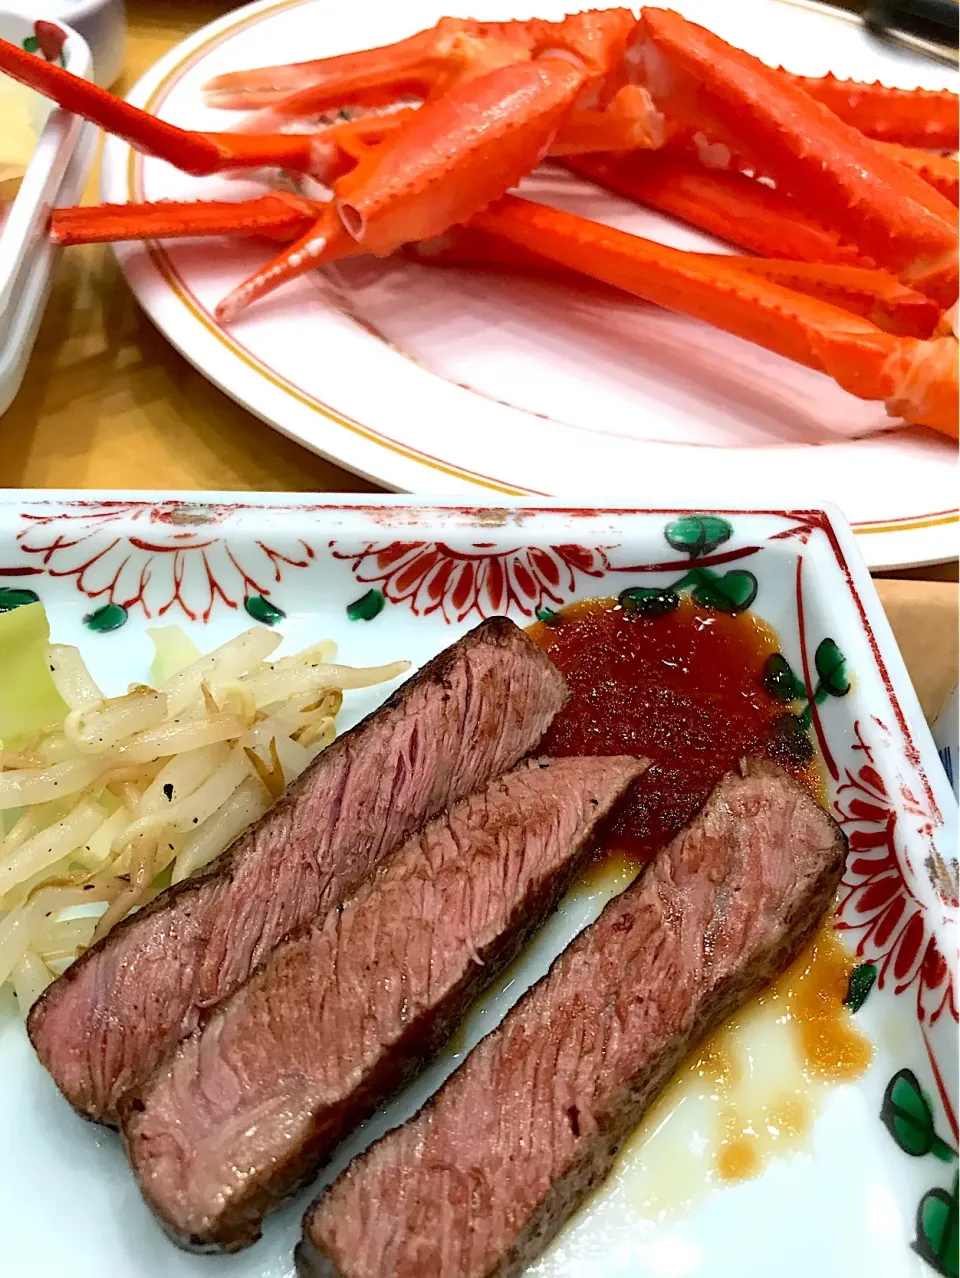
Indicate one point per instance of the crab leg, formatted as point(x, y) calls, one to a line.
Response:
point(618, 116)
point(423, 65)
point(725, 203)
point(284, 218)
point(279, 216)
point(827, 166)
point(917, 379)
point(912, 117)
point(466, 246)
point(196, 153)
point(940, 171)
point(369, 77)
point(874, 295)
point(376, 75)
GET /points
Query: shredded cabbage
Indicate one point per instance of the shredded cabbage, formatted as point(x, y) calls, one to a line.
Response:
point(106, 800)
point(174, 650)
point(30, 702)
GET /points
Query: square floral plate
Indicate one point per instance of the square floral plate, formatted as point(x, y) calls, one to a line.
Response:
point(867, 1183)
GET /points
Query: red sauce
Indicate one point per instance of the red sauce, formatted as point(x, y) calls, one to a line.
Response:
point(685, 690)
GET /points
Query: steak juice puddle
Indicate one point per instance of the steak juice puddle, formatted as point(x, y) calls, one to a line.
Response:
point(694, 690)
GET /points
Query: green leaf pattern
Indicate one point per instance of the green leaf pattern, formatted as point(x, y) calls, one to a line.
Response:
point(861, 982)
point(697, 535)
point(780, 681)
point(831, 671)
point(908, 1116)
point(14, 597)
point(649, 601)
point(732, 591)
point(110, 617)
point(937, 1230)
point(366, 607)
point(263, 610)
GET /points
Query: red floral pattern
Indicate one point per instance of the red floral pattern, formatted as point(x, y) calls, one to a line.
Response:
point(174, 563)
point(878, 905)
point(481, 580)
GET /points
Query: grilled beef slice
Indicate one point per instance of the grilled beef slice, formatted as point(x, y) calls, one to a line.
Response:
point(467, 716)
point(345, 1009)
point(481, 1180)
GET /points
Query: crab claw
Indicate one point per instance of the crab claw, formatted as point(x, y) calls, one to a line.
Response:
point(829, 168)
point(324, 241)
point(457, 154)
point(453, 157)
point(916, 379)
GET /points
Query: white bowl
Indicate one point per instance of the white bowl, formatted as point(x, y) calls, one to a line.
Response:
point(56, 174)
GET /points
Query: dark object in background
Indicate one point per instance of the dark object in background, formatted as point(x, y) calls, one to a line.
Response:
point(932, 20)
point(928, 27)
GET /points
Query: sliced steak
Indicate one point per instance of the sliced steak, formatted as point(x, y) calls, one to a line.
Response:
point(466, 717)
point(480, 1181)
point(345, 1009)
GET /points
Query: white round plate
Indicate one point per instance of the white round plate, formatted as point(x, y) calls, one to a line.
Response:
point(437, 380)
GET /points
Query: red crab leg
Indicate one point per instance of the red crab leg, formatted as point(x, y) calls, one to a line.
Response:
point(455, 156)
point(830, 169)
point(467, 246)
point(941, 171)
point(916, 379)
point(197, 153)
point(368, 72)
point(284, 218)
point(279, 216)
point(724, 203)
point(912, 117)
point(422, 65)
point(369, 77)
point(874, 295)
point(617, 116)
